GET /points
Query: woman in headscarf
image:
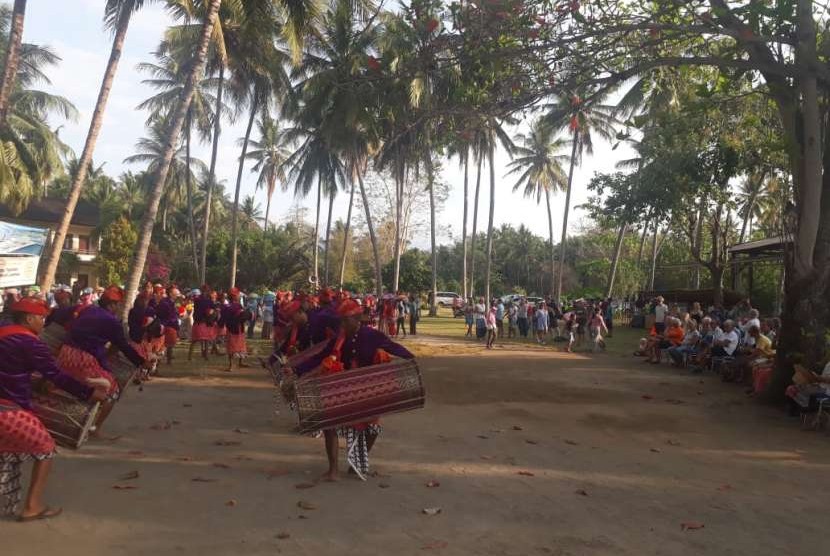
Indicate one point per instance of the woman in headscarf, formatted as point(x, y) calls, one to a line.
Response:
point(233, 319)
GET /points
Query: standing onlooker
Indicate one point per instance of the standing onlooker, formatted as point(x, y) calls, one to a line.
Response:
point(541, 322)
point(608, 315)
point(521, 317)
point(500, 318)
point(480, 315)
point(252, 306)
point(268, 301)
point(570, 329)
point(414, 313)
point(401, 312)
point(490, 323)
point(598, 326)
point(512, 319)
point(469, 316)
point(661, 310)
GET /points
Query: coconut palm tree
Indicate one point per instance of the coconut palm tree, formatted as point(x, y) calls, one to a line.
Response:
point(751, 201)
point(584, 119)
point(270, 153)
point(117, 14)
point(12, 57)
point(173, 132)
point(540, 170)
point(251, 211)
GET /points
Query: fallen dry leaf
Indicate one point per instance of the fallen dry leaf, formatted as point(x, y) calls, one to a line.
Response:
point(184, 458)
point(203, 480)
point(433, 484)
point(496, 430)
point(304, 486)
point(231, 503)
point(226, 443)
point(483, 437)
point(723, 488)
point(486, 457)
point(572, 442)
point(161, 426)
point(305, 505)
point(384, 485)
point(221, 465)
point(271, 473)
point(187, 405)
point(647, 397)
point(672, 443)
point(431, 511)
point(129, 476)
point(655, 450)
point(283, 536)
point(175, 422)
point(691, 525)
point(517, 428)
point(124, 487)
point(674, 401)
point(135, 453)
point(435, 545)
point(700, 392)
point(531, 442)
point(241, 431)
point(581, 492)
point(525, 474)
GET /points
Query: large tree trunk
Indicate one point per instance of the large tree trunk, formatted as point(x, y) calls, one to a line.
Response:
point(552, 249)
point(399, 188)
point(13, 61)
point(271, 186)
point(235, 214)
point(464, 225)
point(475, 230)
point(372, 237)
point(191, 220)
point(612, 274)
point(217, 128)
point(433, 307)
point(89, 146)
point(315, 244)
point(328, 242)
point(175, 129)
point(346, 236)
point(489, 264)
point(565, 218)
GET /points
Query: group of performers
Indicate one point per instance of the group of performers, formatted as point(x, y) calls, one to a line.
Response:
point(341, 330)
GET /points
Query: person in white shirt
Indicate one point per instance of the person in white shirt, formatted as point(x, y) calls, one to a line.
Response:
point(726, 345)
point(480, 313)
point(541, 323)
point(521, 317)
point(753, 320)
point(660, 312)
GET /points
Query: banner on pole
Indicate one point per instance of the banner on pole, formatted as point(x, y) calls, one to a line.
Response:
point(20, 250)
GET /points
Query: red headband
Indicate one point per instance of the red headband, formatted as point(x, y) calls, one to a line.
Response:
point(30, 305)
point(349, 308)
point(113, 293)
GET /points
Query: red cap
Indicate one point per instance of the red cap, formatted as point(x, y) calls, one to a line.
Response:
point(158, 288)
point(326, 295)
point(113, 293)
point(291, 309)
point(30, 305)
point(350, 308)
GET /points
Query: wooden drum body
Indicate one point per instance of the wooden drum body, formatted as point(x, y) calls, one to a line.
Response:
point(67, 419)
point(347, 397)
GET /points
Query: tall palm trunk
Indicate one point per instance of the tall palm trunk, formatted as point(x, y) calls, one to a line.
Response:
point(372, 237)
point(235, 214)
point(552, 250)
point(191, 221)
point(346, 237)
point(317, 233)
point(173, 132)
point(489, 263)
point(612, 274)
point(565, 218)
point(89, 146)
point(653, 257)
point(433, 308)
point(217, 128)
point(271, 186)
point(399, 180)
point(13, 61)
point(747, 219)
point(473, 237)
point(328, 242)
point(464, 226)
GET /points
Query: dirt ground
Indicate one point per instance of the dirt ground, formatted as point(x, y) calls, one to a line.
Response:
point(536, 453)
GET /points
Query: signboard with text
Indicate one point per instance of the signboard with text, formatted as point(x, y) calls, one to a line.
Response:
point(20, 250)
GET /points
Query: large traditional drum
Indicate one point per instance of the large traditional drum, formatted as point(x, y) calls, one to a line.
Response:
point(348, 397)
point(122, 369)
point(54, 336)
point(275, 369)
point(67, 419)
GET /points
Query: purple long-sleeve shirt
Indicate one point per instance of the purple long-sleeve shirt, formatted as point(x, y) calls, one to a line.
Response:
point(166, 311)
point(135, 322)
point(363, 345)
point(201, 306)
point(20, 356)
point(61, 315)
point(93, 329)
point(229, 318)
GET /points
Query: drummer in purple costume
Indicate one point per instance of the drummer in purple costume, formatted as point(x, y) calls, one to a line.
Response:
point(204, 323)
point(22, 435)
point(169, 317)
point(355, 346)
point(323, 322)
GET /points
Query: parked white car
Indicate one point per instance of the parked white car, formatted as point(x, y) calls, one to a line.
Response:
point(448, 299)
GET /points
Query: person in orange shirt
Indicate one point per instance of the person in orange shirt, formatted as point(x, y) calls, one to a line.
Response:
point(671, 337)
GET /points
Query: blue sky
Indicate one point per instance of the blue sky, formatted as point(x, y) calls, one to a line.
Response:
point(73, 28)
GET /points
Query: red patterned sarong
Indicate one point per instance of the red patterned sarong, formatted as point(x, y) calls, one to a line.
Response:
point(81, 365)
point(140, 348)
point(171, 336)
point(237, 345)
point(21, 432)
point(203, 332)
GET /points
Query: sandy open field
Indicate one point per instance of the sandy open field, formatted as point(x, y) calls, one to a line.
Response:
point(535, 453)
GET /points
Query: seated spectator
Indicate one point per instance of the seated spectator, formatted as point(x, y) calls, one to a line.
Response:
point(689, 345)
point(749, 322)
point(671, 337)
point(726, 344)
